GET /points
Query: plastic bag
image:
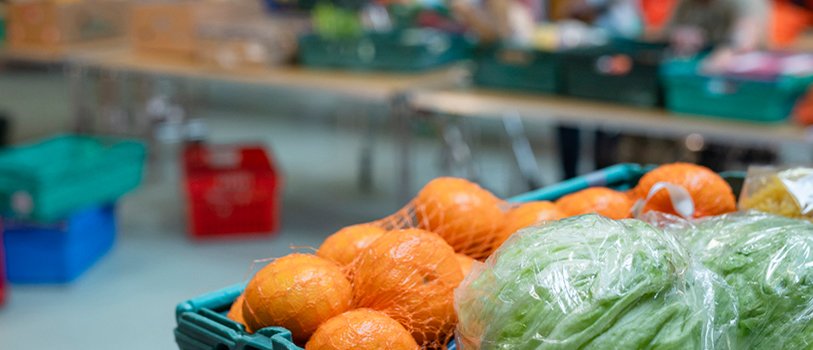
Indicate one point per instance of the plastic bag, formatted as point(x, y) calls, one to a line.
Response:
point(768, 261)
point(783, 192)
point(589, 282)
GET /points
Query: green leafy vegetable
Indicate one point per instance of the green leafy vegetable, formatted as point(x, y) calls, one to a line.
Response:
point(593, 283)
point(768, 261)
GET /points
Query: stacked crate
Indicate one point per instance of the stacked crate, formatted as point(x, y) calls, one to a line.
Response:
point(58, 200)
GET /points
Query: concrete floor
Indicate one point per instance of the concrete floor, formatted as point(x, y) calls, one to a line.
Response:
point(127, 300)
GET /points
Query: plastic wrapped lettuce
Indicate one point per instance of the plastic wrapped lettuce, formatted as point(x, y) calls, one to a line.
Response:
point(589, 282)
point(768, 261)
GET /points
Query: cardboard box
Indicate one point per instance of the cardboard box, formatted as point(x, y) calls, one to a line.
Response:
point(172, 27)
point(52, 24)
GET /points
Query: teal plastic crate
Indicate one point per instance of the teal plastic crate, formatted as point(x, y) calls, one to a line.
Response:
point(740, 98)
point(203, 325)
point(2, 31)
point(202, 322)
point(49, 180)
point(518, 69)
point(410, 50)
point(621, 177)
point(622, 71)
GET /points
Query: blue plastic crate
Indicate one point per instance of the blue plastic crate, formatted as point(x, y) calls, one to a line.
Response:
point(202, 321)
point(53, 253)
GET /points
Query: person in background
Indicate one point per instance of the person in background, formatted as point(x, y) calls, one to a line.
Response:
point(790, 20)
point(620, 18)
point(500, 20)
point(730, 26)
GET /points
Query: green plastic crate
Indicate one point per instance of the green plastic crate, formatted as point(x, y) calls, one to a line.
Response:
point(51, 179)
point(755, 100)
point(2, 30)
point(621, 177)
point(517, 69)
point(202, 322)
point(623, 72)
point(203, 325)
point(402, 51)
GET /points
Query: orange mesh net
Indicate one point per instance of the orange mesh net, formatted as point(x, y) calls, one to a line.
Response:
point(298, 292)
point(410, 275)
point(361, 329)
point(465, 215)
point(405, 266)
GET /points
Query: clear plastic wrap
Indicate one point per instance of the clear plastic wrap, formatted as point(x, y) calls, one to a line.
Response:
point(589, 282)
point(768, 261)
point(786, 192)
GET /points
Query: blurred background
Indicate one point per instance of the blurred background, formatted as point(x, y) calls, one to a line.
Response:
point(153, 150)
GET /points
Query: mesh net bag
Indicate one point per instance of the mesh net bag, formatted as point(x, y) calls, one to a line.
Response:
point(410, 275)
point(465, 215)
point(588, 282)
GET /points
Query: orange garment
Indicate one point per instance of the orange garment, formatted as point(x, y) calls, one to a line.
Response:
point(656, 13)
point(789, 21)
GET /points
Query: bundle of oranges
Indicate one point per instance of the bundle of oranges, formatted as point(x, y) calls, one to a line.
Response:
point(390, 284)
point(395, 291)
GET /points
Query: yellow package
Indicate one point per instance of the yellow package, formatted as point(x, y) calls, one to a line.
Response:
point(783, 192)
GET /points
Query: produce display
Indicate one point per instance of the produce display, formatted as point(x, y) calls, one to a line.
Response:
point(665, 265)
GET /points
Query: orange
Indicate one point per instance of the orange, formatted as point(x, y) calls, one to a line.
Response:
point(465, 262)
point(298, 292)
point(361, 329)
point(410, 275)
point(343, 246)
point(604, 201)
point(711, 193)
point(236, 311)
point(468, 217)
point(526, 215)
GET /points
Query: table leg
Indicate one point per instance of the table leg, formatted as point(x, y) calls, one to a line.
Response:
point(367, 149)
point(457, 149)
point(521, 147)
point(82, 118)
point(401, 113)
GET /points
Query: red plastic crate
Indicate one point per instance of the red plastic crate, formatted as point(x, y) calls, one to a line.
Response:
point(231, 191)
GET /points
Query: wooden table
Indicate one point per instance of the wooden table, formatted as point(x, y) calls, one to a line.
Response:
point(374, 86)
point(60, 54)
point(605, 116)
